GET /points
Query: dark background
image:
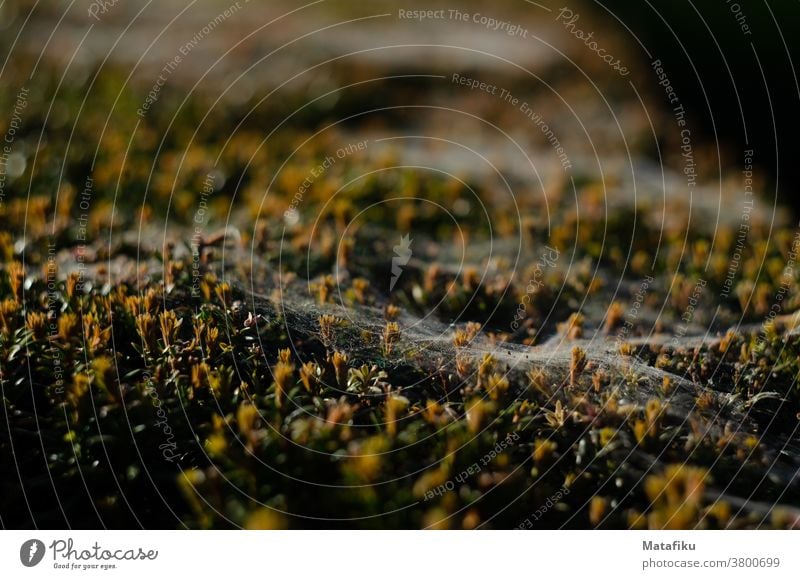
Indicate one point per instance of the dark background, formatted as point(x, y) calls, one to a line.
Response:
point(709, 57)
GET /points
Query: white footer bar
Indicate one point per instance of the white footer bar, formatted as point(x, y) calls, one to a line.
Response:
point(399, 554)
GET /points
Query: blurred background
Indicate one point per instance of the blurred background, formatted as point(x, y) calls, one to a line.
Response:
point(735, 66)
